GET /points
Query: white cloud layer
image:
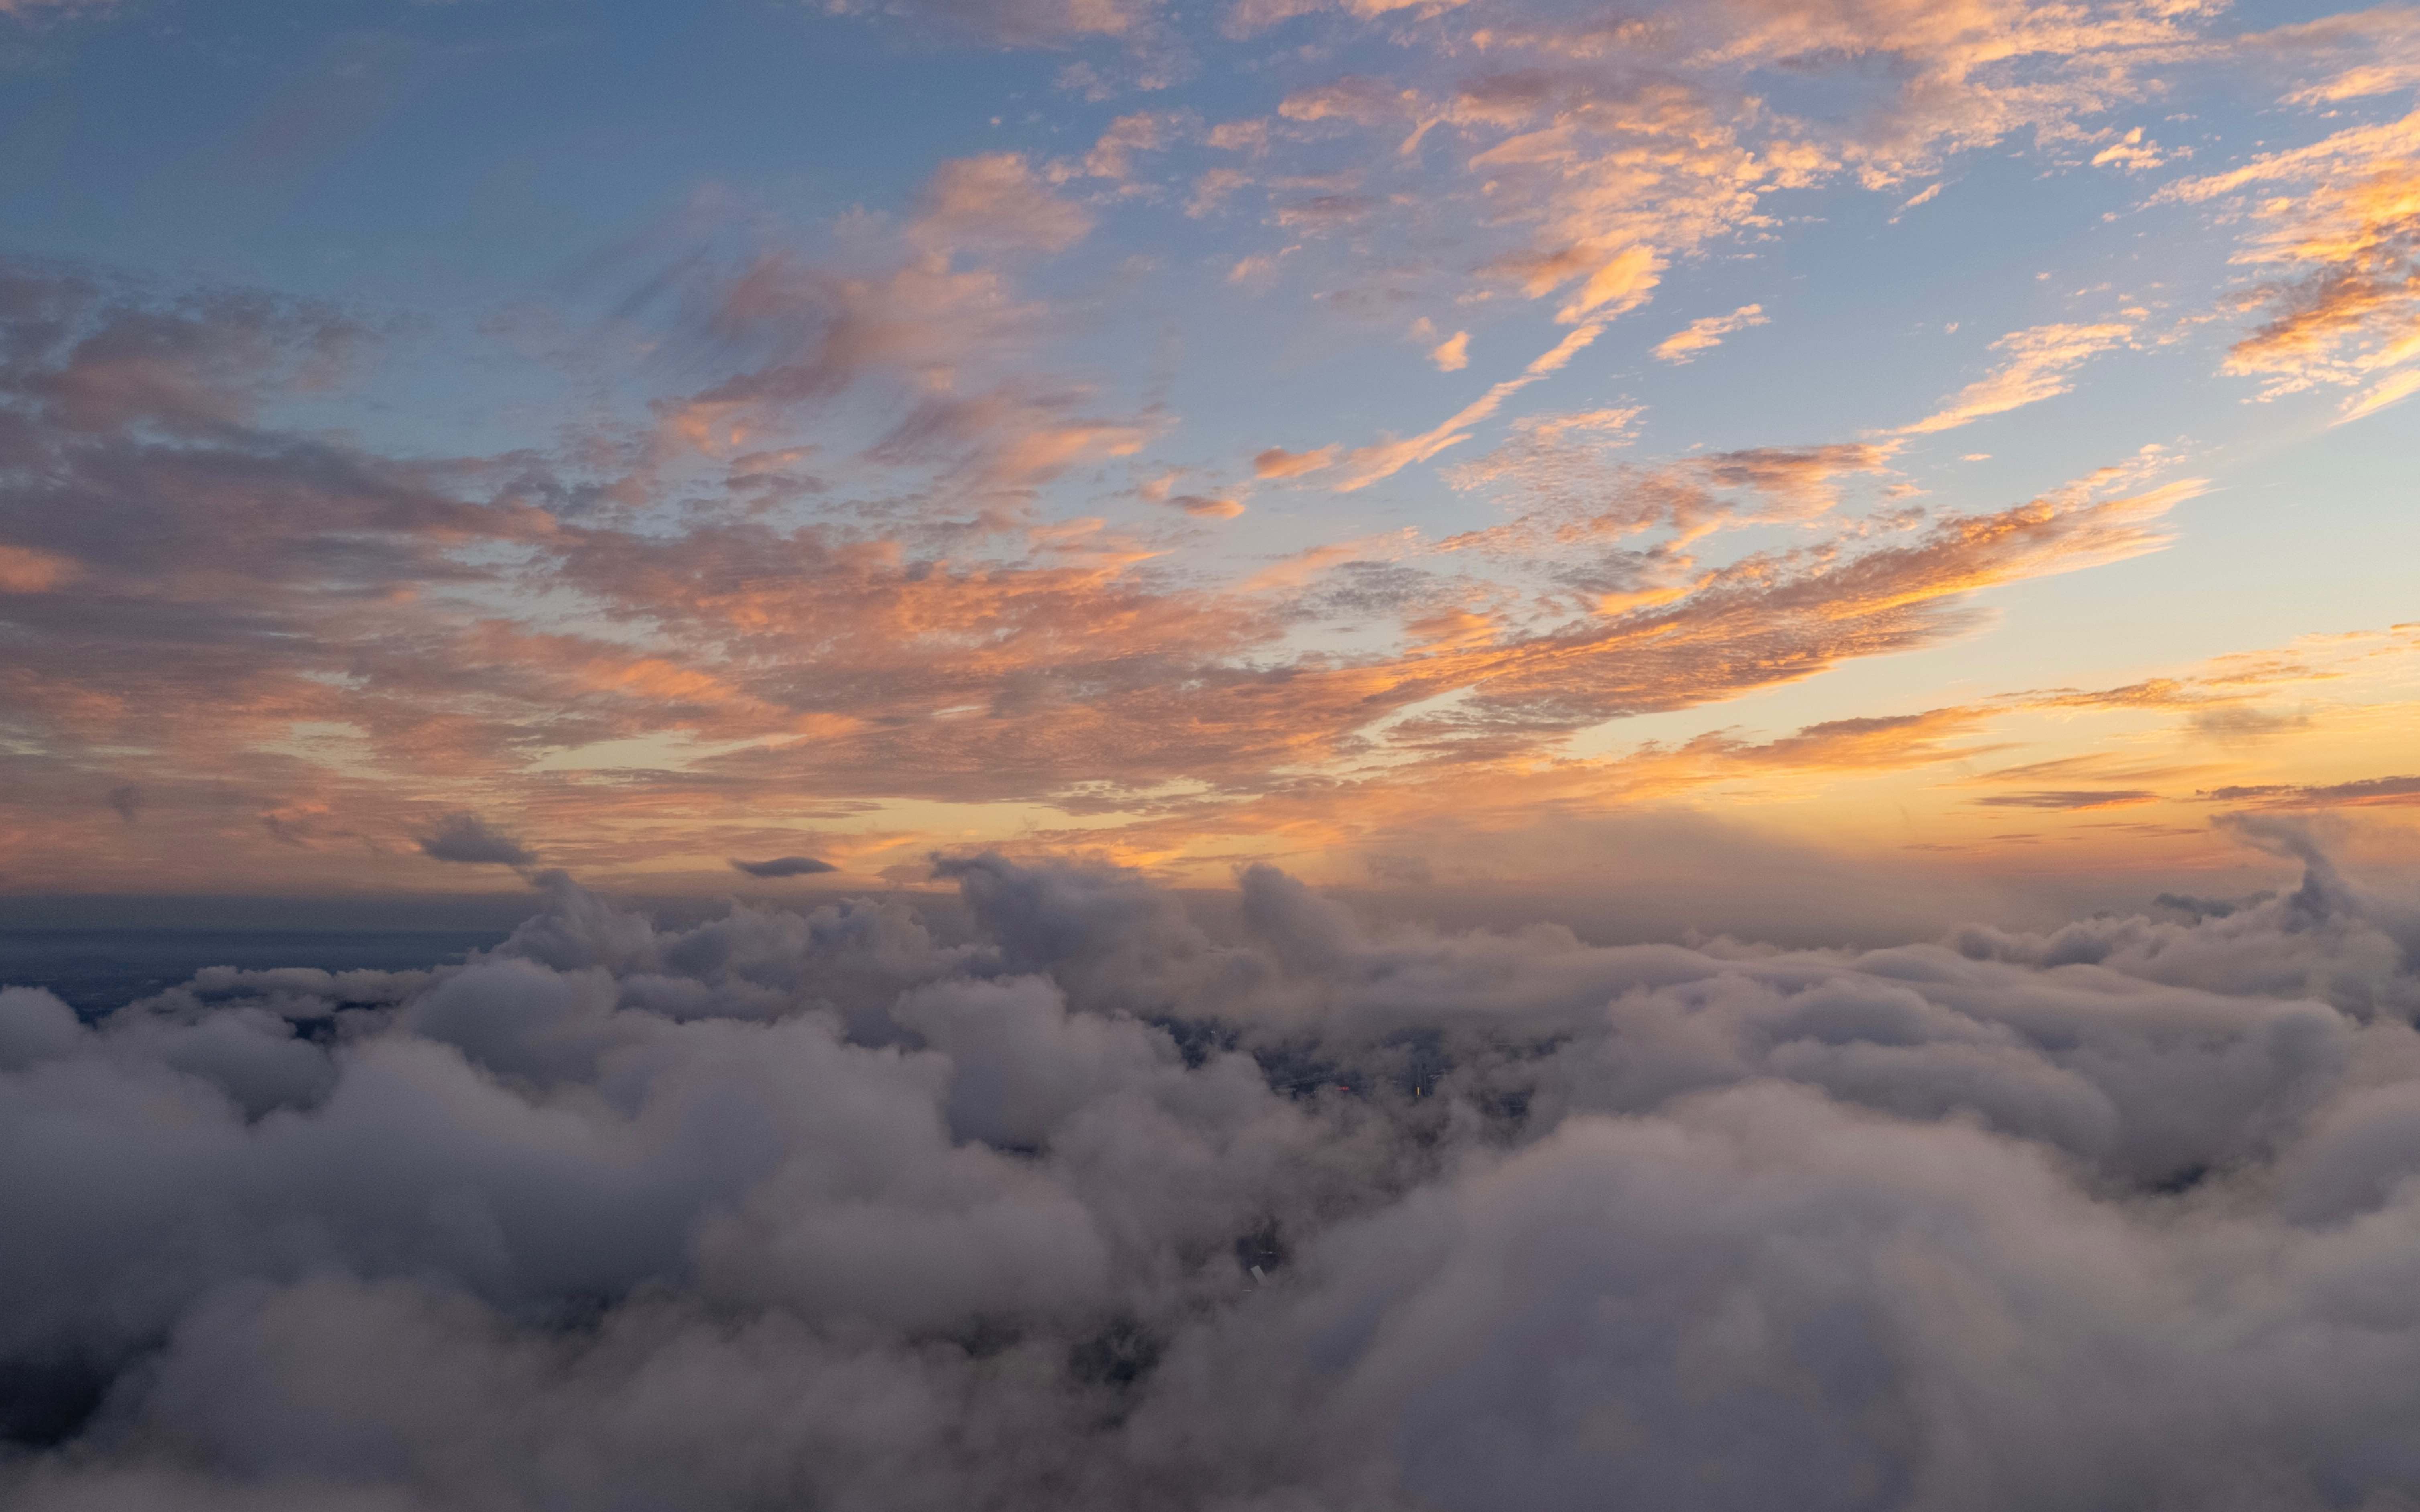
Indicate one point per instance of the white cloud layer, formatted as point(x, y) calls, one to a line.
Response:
point(1090, 1208)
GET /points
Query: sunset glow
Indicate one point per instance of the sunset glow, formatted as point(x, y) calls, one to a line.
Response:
point(1267, 755)
point(1385, 442)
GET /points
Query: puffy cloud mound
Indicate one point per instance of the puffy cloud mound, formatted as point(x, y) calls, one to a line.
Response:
point(1084, 1204)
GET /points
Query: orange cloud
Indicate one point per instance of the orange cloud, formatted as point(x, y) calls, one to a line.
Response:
point(996, 200)
point(1707, 333)
point(1019, 23)
point(2358, 53)
point(1279, 462)
point(1576, 492)
point(2345, 310)
point(2041, 362)
point(1208, 506)
point(1365, 465)
point(2133, 153)
point(25, 570)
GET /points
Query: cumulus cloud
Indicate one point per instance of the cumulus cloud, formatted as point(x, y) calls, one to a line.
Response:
point(1083, 1203)
point(782, 866)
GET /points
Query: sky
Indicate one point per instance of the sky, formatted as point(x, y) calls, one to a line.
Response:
point(1308, 756)
point(1960, 448)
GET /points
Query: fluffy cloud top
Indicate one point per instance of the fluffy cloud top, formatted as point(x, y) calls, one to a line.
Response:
point(1083, 1205)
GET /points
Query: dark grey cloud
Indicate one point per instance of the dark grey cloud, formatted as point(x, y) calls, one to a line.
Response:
point(782, 866)
point(2235, 723)
point(2368, 792)
point(472, 841)
point(1079, 1202)
point(2071, 798)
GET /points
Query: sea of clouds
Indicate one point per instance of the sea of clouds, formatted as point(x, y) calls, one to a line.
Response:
point(1093, 1209)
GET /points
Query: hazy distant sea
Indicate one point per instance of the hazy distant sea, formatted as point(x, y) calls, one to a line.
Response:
point(97, 970)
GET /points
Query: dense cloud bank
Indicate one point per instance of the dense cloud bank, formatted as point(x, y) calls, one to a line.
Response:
point(1093, 1211)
